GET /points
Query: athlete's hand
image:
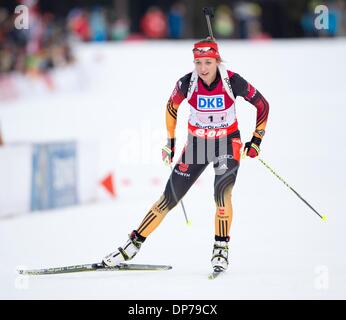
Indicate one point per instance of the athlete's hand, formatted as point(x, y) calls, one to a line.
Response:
point(252, 148)
point(168, 151)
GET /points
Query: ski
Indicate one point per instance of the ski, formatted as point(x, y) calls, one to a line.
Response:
point(215, 273)
point(95, 267)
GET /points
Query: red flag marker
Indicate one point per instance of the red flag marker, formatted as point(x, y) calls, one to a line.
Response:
point(108, 184)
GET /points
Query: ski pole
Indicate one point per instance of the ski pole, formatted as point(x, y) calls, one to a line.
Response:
point(209, 13)
point(323, 217)
point(188, 222)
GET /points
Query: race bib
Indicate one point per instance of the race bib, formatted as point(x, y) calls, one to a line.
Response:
point(211, 118)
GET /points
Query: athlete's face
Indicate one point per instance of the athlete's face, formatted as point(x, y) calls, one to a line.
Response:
point(207, 69)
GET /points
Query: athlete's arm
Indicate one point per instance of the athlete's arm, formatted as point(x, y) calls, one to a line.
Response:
point(178, 95)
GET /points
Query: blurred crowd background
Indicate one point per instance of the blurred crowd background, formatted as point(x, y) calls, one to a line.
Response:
point(54, 26)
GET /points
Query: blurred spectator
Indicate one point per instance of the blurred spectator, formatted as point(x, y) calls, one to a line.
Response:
point(334, 21)
point(120, 29)
point(255, 31)
point(342, 6)
point(337, 18)
point(246, 13)
point(3, 22)
point(98, 25)
point(176, 20)
point(154, 24)
point(224, 26)
point(78, 24)
point(34, 35)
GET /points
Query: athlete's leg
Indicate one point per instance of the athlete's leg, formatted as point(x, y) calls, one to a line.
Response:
point(223, 186)
point(180, 181)
point(226, 169)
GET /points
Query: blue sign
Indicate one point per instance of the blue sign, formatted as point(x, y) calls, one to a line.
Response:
point(54, 176)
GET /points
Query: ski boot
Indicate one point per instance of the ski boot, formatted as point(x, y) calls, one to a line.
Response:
point(126, 252)
point(219, 260)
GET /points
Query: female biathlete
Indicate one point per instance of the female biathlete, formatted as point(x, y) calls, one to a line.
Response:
point(213, 137)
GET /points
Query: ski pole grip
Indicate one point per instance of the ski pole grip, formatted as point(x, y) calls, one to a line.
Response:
point(209, 13)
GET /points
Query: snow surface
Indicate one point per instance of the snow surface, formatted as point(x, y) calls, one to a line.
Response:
point(279, 248)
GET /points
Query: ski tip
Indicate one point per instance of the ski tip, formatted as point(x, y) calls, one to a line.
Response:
point(25, 272)
point(324, 218)
point(217, 271)
point(214, 275)
point(22, 270)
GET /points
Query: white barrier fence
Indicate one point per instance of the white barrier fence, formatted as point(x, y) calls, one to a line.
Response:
point(15, 179)
point(46, 176)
